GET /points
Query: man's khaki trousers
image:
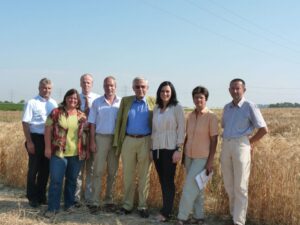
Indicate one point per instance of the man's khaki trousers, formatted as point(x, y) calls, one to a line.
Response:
point(235, 163)
point(135, 156)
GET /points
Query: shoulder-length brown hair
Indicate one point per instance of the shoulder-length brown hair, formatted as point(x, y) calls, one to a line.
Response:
point(69, 93)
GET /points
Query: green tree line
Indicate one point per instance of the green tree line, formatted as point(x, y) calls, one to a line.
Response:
point(284, 105)
point(10, 106)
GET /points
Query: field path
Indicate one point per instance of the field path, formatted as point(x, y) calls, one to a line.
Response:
point(14, 210)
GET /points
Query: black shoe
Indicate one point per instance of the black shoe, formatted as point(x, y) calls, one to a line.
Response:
point(34, 204)
point(43, 202)
point(123, 211)
point(78, 204)
point(143, 213)
point(110, 207)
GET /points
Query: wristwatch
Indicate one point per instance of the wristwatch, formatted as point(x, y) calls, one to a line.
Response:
point(179, 148)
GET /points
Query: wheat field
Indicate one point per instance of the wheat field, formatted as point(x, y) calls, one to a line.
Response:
point(274, 187)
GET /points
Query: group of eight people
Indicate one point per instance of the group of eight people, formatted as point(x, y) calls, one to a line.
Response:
point(85, 135)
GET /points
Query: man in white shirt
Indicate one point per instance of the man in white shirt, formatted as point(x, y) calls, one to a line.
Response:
point(83, 194)
point(102, 119)
point(35, 114)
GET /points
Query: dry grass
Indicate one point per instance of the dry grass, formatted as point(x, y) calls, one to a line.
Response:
point(10, 116)
point(275, 177)
point(275, 174)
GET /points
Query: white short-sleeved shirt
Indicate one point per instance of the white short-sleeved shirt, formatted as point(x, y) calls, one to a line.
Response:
point(91, 98)
point(104, 115)
point(36, 111)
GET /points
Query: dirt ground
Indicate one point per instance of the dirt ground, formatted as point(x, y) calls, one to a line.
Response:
point(14, 210)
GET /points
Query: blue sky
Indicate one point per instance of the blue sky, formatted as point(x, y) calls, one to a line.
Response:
point(189, 42)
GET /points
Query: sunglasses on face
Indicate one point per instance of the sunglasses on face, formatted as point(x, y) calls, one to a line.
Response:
point(140, 86)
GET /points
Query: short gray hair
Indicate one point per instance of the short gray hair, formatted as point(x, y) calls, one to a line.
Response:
point(110, 77)
point(86, 75)
point(138, 79)
point(45, 81)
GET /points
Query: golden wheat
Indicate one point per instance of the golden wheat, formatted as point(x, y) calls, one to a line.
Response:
point(274, 186)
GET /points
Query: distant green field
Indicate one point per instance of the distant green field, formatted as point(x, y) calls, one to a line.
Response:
point(11, 107)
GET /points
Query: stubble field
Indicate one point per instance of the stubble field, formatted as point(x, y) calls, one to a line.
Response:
point(274, 188)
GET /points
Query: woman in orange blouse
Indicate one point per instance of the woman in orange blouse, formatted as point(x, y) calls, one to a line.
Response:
point(200, 147)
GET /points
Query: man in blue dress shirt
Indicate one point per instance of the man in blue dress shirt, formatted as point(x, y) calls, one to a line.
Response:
point(132, 139)
point(240, 118)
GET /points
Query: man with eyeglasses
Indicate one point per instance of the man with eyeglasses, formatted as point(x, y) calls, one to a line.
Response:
point(132, 139)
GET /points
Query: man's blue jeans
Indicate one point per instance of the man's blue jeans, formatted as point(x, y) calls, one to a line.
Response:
point(67, 167)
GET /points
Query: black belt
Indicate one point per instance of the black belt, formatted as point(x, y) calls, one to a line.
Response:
point(37, 134)
point(137, 135)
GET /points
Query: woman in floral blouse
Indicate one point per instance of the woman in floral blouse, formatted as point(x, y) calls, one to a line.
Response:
point(65, 146)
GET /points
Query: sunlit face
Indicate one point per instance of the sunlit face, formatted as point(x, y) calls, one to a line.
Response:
point(45, 90)
point(140, 89)
point(109, 86)
point(165, 93)
point(237, 90)
point(86, 84)
point(199, 101)
point(72, 101)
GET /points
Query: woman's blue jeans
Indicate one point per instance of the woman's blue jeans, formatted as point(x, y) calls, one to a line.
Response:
point(60, 168)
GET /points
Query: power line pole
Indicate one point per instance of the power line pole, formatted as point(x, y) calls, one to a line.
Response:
point(11, 95)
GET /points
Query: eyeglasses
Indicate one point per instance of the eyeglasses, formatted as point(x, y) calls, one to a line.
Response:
point(140, 86)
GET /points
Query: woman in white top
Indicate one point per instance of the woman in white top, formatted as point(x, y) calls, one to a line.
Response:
point(167, 140)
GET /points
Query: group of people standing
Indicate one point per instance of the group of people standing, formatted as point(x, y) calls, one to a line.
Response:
point(85, 135)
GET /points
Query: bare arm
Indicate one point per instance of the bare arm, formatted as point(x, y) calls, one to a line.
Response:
point(212, 151)
point(29, 144)
point(258, 135)
point(92, 137)
point(47, 137)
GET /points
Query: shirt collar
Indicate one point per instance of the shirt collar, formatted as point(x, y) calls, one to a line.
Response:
point(42, 99)
point(241, 102)
point(143, 99)
point(116, 99)
point(88, 95)
point(204, 111)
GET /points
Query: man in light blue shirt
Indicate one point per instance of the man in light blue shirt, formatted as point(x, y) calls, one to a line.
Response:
point(240, 118)
point(35, 114)
point(102, 119)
